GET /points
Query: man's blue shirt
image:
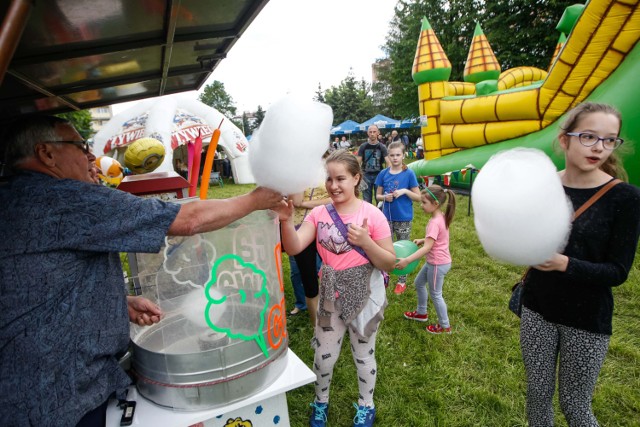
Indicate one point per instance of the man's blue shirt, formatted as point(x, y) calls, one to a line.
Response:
point(63, 309)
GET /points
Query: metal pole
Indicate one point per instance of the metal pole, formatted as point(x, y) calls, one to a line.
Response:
point(12, 27)
point(470, 188)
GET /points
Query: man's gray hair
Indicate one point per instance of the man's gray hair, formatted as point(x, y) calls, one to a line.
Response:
point(22, 136)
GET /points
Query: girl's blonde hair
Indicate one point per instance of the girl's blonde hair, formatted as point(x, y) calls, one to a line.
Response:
point(613, 164)
point(351, 163)
point(442, 196)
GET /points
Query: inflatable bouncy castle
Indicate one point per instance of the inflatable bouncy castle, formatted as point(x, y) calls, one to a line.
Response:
point(464, 123)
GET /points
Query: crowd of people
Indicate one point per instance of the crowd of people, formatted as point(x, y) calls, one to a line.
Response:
point(412, 149)
point(65, 318)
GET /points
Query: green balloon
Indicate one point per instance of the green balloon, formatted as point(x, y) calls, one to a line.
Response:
point(403, 249)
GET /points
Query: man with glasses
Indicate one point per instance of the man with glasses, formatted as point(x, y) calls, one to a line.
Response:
point(64, 312)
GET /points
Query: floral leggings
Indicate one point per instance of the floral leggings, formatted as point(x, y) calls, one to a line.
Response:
point(580, 355)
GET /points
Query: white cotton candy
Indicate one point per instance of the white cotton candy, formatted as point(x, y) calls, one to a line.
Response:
point(522, 215)
point(195, 304)
point(286, 151)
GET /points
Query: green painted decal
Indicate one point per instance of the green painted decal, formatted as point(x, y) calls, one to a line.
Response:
point(258, 336)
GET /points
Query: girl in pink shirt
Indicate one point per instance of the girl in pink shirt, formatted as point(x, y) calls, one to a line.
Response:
point(436, 248)
point(351, 278)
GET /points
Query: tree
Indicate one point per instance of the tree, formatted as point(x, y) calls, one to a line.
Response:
point(246, 126)
point(215, 95)
point(453, 22)
point(521, 32)
point(259, 116)
point(319, 95)
point(351, 100)
point(381, 89)
point(81, 120)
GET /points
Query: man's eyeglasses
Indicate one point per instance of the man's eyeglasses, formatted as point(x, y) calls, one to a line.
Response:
point(83, 145)
point(589, 140)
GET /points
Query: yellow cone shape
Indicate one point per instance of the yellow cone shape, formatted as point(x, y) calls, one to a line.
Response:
point(482, 63)
point(430, 64)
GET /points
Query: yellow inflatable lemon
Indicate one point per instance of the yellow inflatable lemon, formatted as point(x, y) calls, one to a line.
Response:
point(144, 155)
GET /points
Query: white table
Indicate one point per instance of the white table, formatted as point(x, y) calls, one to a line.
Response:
point(265, 408)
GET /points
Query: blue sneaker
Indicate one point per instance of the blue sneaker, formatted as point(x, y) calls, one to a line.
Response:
point(365, 416)
point(318, 414)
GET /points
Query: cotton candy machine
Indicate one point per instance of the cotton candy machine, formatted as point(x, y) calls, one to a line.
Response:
point(223, 336)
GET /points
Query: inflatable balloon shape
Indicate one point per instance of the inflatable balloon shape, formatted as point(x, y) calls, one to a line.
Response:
point(403, 249)
point(144, 155)
point(521, 213)
point(110, 170)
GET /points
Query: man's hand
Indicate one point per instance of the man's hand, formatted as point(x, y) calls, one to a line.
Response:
point(265, 198)
point(142, 311)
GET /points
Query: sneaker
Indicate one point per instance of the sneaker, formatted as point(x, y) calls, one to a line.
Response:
point(365, 416)
point(318, 414)
point(413, 315)
point(400, 288)
point(437, 329)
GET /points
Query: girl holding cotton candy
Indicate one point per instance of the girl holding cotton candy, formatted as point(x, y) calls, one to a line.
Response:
point(352, 294)
point(568, 301)
point(435, 246)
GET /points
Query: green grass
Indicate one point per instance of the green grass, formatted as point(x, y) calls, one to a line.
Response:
point(475, 376)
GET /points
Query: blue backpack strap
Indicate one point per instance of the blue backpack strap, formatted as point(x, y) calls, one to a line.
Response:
point(343, 228)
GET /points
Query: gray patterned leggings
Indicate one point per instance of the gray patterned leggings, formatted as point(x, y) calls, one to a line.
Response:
point(328, 343)
point(580, 354)
point(402, 231)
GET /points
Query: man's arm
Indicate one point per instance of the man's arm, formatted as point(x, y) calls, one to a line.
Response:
point(208, 215)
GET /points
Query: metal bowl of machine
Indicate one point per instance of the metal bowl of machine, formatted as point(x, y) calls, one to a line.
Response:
point(200, 371)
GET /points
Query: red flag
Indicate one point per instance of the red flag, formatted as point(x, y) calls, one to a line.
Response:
point(193, 183)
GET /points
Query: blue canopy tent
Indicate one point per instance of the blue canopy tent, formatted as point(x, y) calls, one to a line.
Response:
point(412, 122)
point(345, 128)
point(383, 122)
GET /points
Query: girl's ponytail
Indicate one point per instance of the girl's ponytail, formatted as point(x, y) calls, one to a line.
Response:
point(442, 196)
point(451, 207)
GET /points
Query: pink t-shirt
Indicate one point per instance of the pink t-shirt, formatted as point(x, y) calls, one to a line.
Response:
point(438, 231)
point(334, 249)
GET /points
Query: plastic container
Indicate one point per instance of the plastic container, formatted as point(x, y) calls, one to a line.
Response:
point(224, 335)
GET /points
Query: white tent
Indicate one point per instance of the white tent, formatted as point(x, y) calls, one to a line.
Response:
point(174, 120)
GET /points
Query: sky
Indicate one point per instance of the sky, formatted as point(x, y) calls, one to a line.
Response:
point(292, 45)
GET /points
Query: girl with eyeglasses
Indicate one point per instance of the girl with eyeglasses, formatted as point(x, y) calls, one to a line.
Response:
point(568, 301)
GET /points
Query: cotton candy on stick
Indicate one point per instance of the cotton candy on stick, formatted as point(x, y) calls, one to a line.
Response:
point(521, 213)
point(286, 151)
